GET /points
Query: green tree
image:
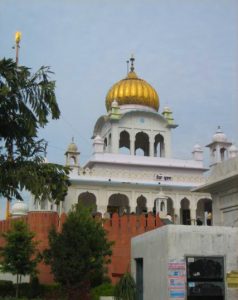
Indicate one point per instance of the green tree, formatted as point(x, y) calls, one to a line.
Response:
point(19, 256)
point(125, 288)
point(27, 102)
point(78, 253)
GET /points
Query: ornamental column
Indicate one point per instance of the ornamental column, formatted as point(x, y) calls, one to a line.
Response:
point(132, 144)
point(151, 145)
point(177, 215)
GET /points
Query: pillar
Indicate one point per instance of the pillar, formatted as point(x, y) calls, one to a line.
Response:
point(151, 146)
point(132, 144)
point(193, 216)
point(115, 139)
point(177, 215)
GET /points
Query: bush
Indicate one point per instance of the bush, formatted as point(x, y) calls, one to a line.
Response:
point(105, 289)
point(125, 288)
point(54, 292)
point(6, 288)
point(32, 290)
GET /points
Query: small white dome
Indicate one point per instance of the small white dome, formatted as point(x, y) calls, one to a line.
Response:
point(219, 136)
point(114, 103)
point(233, 149)
point(19, 208)
point(167, 109)
point(72, 147)
point(98, 139)
point(197, 147)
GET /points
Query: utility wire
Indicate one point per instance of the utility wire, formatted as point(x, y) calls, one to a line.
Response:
point(76, 130)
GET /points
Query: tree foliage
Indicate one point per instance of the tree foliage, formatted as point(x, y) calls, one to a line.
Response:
point(79, 252)
point(19, 256)
point(27, 102)
point(125, 288)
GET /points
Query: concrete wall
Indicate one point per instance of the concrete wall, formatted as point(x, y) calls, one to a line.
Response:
point(223, 186)
point(174, 242)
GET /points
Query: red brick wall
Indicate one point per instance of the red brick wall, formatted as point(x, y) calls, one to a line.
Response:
point(119, 229)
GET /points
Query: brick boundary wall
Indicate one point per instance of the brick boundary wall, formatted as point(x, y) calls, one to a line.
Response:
point(120, 229)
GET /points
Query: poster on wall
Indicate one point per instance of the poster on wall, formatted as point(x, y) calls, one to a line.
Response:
point(177, 279)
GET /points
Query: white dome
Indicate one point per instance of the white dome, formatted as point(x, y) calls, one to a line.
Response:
point(197, 147)
point(233, 149)
point(19, 208)
point(115, 103)
point(219, 136)
point(72, 147)
point(166, 109)
point(98, 139)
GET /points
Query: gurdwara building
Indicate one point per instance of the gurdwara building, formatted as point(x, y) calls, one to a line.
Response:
point(132, 169)
point(132, 179)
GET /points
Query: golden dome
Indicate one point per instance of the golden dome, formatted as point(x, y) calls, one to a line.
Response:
point(132, 90)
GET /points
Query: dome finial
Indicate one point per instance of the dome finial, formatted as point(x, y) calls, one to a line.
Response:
point(127, 67)
point(132, 59)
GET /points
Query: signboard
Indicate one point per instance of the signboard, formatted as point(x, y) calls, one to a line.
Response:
point(177, 279)
point(232, 279)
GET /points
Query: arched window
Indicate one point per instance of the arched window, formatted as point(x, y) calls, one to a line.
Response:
point(72, 160)
point(124, 142)
point(159, 146)
point(141, 205)
point(204, 207)
point(142, 144)
point(170, 209)
point(118, 203)
point(185, 212)
point(89, 200)
point(222, 153)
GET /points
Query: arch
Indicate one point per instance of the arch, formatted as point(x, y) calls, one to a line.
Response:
point(89, 200)
point(223, 153)
point(124, 142)
point(159, 146)
point(110, 139)
point(73, 160)
point(170, 208)
point(142, 143)
point(118, 203)
point(141, 205)
point(204, 207)
point(185, 212)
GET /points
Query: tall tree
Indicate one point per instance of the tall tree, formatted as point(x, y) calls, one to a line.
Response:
point(78, 253)
point(19, 256)
point(27, 102)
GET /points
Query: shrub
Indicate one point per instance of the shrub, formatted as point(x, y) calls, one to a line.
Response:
point(6, 288)
point(105, 289)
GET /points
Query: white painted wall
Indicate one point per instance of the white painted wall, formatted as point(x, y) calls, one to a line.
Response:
point(159, 246)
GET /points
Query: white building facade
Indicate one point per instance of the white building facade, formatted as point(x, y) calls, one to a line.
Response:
point(132, 161)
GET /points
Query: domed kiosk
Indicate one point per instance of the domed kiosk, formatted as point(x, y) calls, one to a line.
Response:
point(19, 209)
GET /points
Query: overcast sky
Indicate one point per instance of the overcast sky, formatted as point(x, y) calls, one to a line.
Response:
point(187, 50)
